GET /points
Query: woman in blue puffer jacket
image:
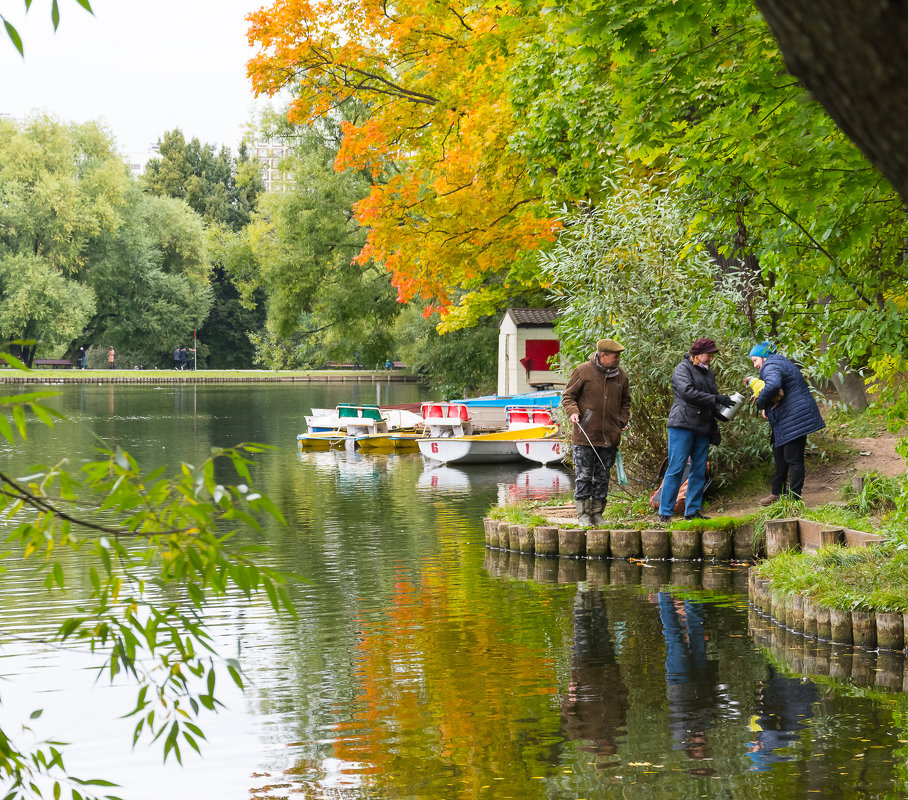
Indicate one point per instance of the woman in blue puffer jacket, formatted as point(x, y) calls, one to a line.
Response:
point(785, 400)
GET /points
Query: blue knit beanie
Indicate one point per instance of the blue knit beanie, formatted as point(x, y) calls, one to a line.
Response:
point(762, 350)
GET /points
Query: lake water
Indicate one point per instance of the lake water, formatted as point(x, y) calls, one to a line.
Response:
point(422, 665)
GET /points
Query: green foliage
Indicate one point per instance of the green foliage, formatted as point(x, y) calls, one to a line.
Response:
point(714, 524)
point(165, 292)
point(780, 193)
point(626, 268)
point(85, 258)
point(225, 192)
point(299, 253)
point(458, 364)
point(13, 33)
point(36, 300)
point(218, 188)
point(156, 548)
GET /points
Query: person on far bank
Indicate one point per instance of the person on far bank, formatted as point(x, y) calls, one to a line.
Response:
point(597, 400)
point(786, 402)
point(176, 357)
point(692, 428)
point(111, 357)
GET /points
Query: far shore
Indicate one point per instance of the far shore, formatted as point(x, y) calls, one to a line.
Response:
point(57, 376)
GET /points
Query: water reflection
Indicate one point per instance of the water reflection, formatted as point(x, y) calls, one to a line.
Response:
point(594, 707)
point(540, 483)
point(422, 665)
point(783, 706)
point(691, 677)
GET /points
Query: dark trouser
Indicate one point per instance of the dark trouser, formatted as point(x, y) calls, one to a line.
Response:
point(591, 476)
point(789, 459)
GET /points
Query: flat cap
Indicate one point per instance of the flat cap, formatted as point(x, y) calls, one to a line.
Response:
point(608, 346)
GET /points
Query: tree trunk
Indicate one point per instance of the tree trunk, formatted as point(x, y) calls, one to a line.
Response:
point(850, 386)
point(851, 55)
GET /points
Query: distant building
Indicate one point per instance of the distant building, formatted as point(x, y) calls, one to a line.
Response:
point(270, 154)
point(138, 161)
point(526, 343)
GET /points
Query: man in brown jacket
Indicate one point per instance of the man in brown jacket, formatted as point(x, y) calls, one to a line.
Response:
point(597, 400)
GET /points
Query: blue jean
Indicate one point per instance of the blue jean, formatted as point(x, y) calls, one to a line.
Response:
point(684, 444)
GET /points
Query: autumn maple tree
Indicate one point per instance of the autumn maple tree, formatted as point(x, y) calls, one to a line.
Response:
point(451, 208)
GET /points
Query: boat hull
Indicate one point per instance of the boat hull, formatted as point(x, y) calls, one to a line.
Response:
point(542, 451)
point(321, 441)
point(488, 448)
point(397, 442)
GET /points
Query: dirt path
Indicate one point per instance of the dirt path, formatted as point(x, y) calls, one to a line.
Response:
point(824, 482)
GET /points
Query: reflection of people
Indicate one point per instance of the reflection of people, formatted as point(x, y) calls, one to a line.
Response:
point(597, 400)
point(596, 704)
point(783, 707)
point(692, 428)
point(691, 677)
point(111, 357)
point(785, 400)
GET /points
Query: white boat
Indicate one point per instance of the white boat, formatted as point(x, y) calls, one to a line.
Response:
point(324, 420)
point(489, 448)
point(542, 451)
point(352, 424)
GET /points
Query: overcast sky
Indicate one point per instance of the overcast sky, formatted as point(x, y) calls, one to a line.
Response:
point(141, 66)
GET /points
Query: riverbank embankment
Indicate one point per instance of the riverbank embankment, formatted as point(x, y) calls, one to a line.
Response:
point(59, 376)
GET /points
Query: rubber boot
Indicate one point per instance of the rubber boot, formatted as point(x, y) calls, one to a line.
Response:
point(583, 513)
point(596, 509)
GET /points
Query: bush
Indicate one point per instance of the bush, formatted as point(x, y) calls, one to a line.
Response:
point(626, 269)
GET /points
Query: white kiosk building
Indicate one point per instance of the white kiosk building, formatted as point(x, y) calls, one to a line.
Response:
point(526, 342)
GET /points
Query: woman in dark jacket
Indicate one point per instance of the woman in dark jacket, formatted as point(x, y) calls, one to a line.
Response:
point(785, 400)
point(692, 427)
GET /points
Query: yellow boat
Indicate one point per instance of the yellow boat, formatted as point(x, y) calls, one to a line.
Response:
point(323, 440)
point(399, 442)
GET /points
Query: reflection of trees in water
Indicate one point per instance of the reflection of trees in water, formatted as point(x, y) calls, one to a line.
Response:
point(595, 706)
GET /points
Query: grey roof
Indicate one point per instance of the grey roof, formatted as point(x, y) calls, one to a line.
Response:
point(533, 317)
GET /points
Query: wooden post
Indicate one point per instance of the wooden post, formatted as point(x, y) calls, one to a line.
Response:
point(717, 544)
point(890, 630)
point(625, 544)
point(526, 539)
point(503, 534)
point(597, 543)
point(863, 625)
point(810, 618)
point(654, 543)
point(781, 535)
point(796, 613)
point(840, 626)
point(572, 542)
point(685, 544)
point(545, 540)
